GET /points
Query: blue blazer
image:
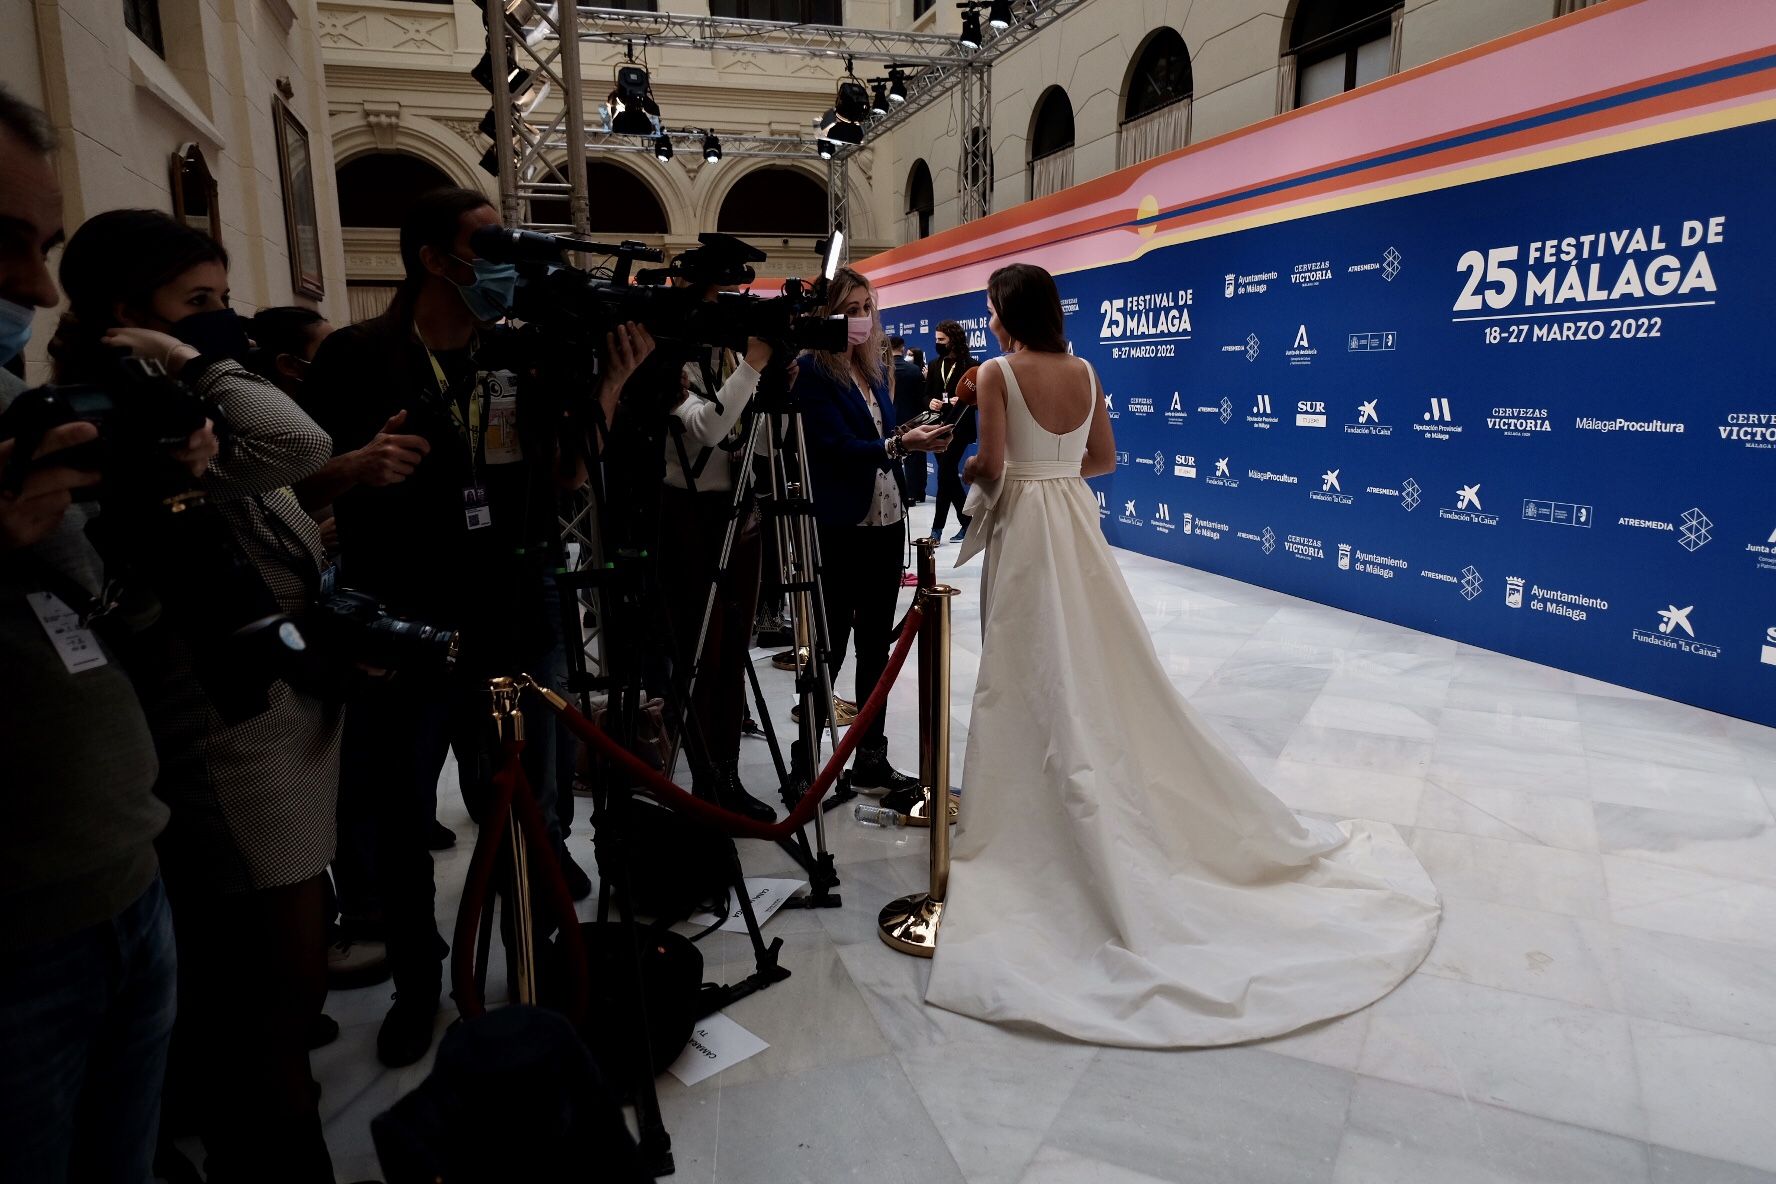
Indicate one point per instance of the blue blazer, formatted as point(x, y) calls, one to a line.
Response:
point(845, 451)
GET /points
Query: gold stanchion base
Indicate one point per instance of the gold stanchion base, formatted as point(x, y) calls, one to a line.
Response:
point(920, 815)
point(910, 924)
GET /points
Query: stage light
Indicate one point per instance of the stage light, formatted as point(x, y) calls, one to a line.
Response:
point(825, 147)
point(516, 79)
point(712, 149)
point(896, 85)
point(837, 128)
point(971, 29)
point(633, 110)
point(490, 162)
point(999, 15)
point(879, 99)
point(663, 148)
point(487, 125)
point(853, 101)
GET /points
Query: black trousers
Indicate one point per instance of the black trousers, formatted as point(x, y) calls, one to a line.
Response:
point(950, 491)
point(693, 525)
point(913, 465)
point(860, 570)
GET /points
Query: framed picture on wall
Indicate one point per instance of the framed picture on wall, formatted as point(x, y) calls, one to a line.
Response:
point(195, 195)
point(296, 172)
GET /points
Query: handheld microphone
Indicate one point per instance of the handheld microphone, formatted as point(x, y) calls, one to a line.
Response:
point(968, 390)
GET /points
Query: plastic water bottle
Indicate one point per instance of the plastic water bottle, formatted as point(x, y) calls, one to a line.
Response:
point(879, 816)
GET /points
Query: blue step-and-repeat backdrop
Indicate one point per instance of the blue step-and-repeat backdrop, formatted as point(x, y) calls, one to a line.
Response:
point(1535, 413)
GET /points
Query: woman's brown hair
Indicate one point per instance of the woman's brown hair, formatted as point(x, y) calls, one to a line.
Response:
point(870, 356)
point(1029, 306)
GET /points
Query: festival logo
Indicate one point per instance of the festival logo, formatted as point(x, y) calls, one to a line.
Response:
point(1468, 508)
point(1677, 632)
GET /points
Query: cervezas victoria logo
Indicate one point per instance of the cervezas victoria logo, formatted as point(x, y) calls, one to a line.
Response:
point(1676, 631)
point(1753, 429)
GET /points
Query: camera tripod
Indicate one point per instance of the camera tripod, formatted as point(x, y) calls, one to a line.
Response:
point(788, 507)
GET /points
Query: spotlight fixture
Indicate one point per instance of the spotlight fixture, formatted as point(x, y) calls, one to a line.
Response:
point(487, 125)
point(490, 162)
point(999, 15)
point(826, 148)
point(971, 26)
point(712, 149)
point(879, 99)
point(517, 79)
point(633, 110)
point(836, 128)
point(663, 148)
point(897, 92)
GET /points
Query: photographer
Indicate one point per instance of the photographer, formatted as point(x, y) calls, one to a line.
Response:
point(852, 444)
point(251, 787)
point(87, 965)
point(465, 541)
point(942, 377)
point(694, 512)
point(909, 400)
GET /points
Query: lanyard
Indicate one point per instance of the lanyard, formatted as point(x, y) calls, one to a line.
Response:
point(948, 369)
point(475, 426)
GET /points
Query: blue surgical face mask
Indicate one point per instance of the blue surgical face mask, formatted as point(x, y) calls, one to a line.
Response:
point(490, 296)
point(15, 328)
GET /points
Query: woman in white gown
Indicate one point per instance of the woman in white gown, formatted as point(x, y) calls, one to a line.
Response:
point(1118, 875)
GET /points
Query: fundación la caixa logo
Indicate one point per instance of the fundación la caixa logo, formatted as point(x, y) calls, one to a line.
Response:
point(1677, 632)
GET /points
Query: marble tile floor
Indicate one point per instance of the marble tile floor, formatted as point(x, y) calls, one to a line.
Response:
point(1600, 1006)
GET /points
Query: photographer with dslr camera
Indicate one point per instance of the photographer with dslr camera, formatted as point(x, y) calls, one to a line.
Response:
point(467, 541)
point(87, 963)
point(250, 774)
point(708, 435)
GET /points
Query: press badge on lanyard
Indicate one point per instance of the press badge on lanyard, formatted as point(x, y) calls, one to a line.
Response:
point(477, 514)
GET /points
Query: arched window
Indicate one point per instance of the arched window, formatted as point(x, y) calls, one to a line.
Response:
point(1156, 99)
point(1160, 77)
point(618, 202)
point(1051, 143)
point(919, 201)
point(774, 200)
point(1339, 45)
point(378, 189)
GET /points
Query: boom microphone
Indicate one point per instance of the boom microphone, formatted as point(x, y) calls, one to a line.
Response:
point(501, 244)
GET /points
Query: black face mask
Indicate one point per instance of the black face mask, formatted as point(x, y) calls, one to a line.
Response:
point(943, 350)
point(220, 332)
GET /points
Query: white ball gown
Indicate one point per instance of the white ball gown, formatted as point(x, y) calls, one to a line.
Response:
point(1118, 876)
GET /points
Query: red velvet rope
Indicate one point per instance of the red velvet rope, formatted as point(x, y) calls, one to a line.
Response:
point(735, 824)
point(512, 792)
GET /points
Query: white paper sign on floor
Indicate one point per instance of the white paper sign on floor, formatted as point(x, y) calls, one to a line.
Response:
point(767, 897)
point(716, 1043)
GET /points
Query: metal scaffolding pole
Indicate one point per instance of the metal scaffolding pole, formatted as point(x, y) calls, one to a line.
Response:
point(974, 173)
point(838, 200)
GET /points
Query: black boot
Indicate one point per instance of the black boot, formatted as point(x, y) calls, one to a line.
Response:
point(730, 794)
point(406, 1031)
point(871, 773)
